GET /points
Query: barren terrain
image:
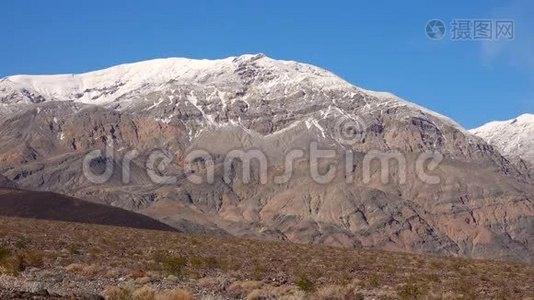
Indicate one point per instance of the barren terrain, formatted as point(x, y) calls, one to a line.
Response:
point(58, 259)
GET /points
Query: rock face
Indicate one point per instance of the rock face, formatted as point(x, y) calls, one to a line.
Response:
point(476, 202)
point(513, 137)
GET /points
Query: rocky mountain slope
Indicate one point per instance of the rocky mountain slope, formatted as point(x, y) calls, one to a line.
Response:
point(513, 138)
point(480, 206)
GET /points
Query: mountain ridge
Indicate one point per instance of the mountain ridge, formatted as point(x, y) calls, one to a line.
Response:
point(481, 207)
point(173, 68)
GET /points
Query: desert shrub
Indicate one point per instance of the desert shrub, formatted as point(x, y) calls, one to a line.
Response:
point(135, 274)
point(258, 295)
point(10, 263)
point(373, 281)
point(410, 291)
point(437, 265)
point(144, 293)
point(209, 262)
point(117, 293)
point(242, 288)
point(89, 270)
point(83, 269)
point(432, 277)
point(73, 248)
point(304, 284)
point(33, 259)
point(4, 253)
point(218, 283)
point(358, 296)
point(196, 262)
point(170, 264)
point(466, 286)
point(74, 267)
point(335, 292)
point(176, 294)
point(212, 262)
point(259, 272)
point(21, 244)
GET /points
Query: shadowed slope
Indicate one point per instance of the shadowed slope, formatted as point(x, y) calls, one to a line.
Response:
point(51, 206)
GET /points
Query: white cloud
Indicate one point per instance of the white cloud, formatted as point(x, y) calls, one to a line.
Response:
point(520, 51)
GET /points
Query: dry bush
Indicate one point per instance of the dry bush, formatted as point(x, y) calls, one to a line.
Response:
point(4, 253)
point(243, 288)
point(75, 268)
point(12, 265)
point(22, 243)
point(84, 270)
point(218, 284)
point(117, 293)
point(137, 274)
point(299, 295)
point(212, 297)
point(33, 259)
point(73, 248)
point(113, 273)
point(176, 294)
point(281, 292)
point(173, 265)
point(335, 292)
point(257, 295)
point(305, 284)
point(143, 280)
point(196, 262)
point(90, 270)
point(144, 293)
point(410, 291)
point(259, 272)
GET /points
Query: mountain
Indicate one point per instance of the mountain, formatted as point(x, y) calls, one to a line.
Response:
point(51, 206)
point(513, 137)
point(469, 200)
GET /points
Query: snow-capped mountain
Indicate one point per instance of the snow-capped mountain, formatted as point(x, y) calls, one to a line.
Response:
point(481, 207)
point(117, 85)
point(513, 137)
point(232, 91)
point(105, 86)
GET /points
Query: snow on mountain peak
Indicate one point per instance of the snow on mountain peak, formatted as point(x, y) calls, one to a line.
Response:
point(118, 80)
point(526, 118)
point(248, 74)
point(512, 137)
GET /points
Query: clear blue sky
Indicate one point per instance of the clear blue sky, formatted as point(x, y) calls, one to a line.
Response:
point(378, 45)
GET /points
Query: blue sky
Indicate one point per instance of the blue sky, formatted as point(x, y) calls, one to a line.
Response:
point(379, 45)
